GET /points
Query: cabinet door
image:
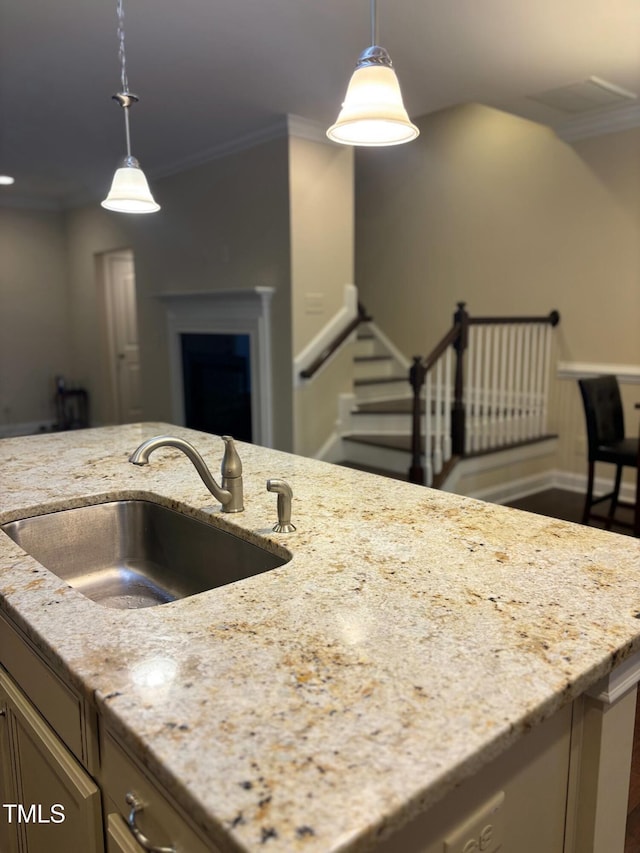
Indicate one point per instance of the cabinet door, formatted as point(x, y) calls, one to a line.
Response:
point(57, 804)
point(119, 838)
point(8, 831)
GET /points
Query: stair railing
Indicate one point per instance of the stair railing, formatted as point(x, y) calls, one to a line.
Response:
point(495, 395)
point(361, 317)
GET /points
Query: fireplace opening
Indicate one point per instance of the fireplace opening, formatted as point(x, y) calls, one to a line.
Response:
point(216, 373)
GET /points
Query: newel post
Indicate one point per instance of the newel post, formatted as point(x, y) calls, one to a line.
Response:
point(417, 376)
point(461, 320)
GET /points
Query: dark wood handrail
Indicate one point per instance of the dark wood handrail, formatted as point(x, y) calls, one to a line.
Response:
point(552, 318)
point(457, 337)
point(335, 344)
point(436, 352)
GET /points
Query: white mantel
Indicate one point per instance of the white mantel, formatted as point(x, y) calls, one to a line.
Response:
point(224, 312)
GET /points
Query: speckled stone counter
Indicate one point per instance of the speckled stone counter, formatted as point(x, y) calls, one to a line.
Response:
point(310, 706)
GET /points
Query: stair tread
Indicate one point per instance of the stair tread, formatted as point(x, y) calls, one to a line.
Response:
point(372, 358)
point(393, 440)
point(381, 472)
point(381, 380)
point(402, 406)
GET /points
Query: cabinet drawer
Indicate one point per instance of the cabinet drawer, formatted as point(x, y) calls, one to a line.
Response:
point(159, 819)
point(56, 702)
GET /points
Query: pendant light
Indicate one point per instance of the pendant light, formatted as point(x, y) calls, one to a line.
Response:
point(373, 113)
point(129, 191)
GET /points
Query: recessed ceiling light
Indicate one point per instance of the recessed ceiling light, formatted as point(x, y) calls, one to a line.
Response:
point(6, 180)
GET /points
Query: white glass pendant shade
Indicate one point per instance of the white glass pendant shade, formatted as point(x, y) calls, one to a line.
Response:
point(373, 112)
point(130, 191)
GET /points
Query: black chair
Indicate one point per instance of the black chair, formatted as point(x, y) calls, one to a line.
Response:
point(606, 442)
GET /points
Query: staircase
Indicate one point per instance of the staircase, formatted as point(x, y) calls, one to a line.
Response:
point(482, 390)
point(375, 421)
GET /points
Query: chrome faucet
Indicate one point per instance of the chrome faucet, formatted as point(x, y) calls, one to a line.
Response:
point(230, 494)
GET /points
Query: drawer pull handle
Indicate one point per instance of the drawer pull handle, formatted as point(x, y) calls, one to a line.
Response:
point(140, 837)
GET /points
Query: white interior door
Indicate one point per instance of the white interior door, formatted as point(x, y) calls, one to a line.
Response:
point(120, 291)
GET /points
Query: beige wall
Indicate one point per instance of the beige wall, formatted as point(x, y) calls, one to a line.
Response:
point(322, 261)
point(322, 234)
point(35, 326)
point(223, 225)
point(498, 211)
point(90, 232)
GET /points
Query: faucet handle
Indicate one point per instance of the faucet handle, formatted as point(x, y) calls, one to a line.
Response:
point(283, 490)
point(231, 464)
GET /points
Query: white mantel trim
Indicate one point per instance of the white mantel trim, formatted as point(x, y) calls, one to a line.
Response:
point(242, 312)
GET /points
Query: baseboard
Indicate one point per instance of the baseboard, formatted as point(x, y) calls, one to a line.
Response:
point(499, 459)
point(515, 489)
point(572, 482)
point(331, 450)
point(552, 479)
point(391, 348)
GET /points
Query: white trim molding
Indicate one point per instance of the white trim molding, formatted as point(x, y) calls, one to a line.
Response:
point(618, 682)
point(626, 373)
point(220, 312)
point(327, 334)
point(500, 459)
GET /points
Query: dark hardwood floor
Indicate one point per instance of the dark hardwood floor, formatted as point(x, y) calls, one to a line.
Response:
point(568, 506)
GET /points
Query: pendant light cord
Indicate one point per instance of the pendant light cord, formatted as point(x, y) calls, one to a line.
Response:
point(121, 53)
point(374, 23)
point(123, 73)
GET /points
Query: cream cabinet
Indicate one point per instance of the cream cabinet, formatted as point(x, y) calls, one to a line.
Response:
point(50, 757)
point(136, 806)
point(50, 803)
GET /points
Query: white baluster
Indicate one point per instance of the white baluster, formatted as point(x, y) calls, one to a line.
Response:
point(518, 407)
point(486, 391)
point(448, 396)
point(428, 438)
point(545, 379)
point(511, 388)
point(437, 419)
point(468, 391)
point(535, 381)
point(526, 382)
point(476, 439)
point(502, 385)
point(493, 441)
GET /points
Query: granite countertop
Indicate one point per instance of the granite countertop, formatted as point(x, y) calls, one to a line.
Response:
point(412, 637)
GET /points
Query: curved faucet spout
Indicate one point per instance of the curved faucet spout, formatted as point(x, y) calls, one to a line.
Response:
point(230, 494)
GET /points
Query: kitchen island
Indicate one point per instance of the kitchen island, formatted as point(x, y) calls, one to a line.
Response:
point(413, 638)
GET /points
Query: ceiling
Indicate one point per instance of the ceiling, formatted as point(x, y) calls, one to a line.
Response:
point(210, 72)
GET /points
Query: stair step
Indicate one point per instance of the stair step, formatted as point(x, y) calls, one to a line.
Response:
point(392, 441)
point(369, 469)
point(385, 452)
point(376, 368)
point(372, 358)
point(394, 406)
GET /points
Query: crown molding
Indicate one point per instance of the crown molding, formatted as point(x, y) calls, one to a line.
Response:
point(277, 129)
point(306, 128)
point(281, 128)
point(613, 120)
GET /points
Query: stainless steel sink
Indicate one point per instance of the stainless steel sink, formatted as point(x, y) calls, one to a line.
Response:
point(135, 553)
